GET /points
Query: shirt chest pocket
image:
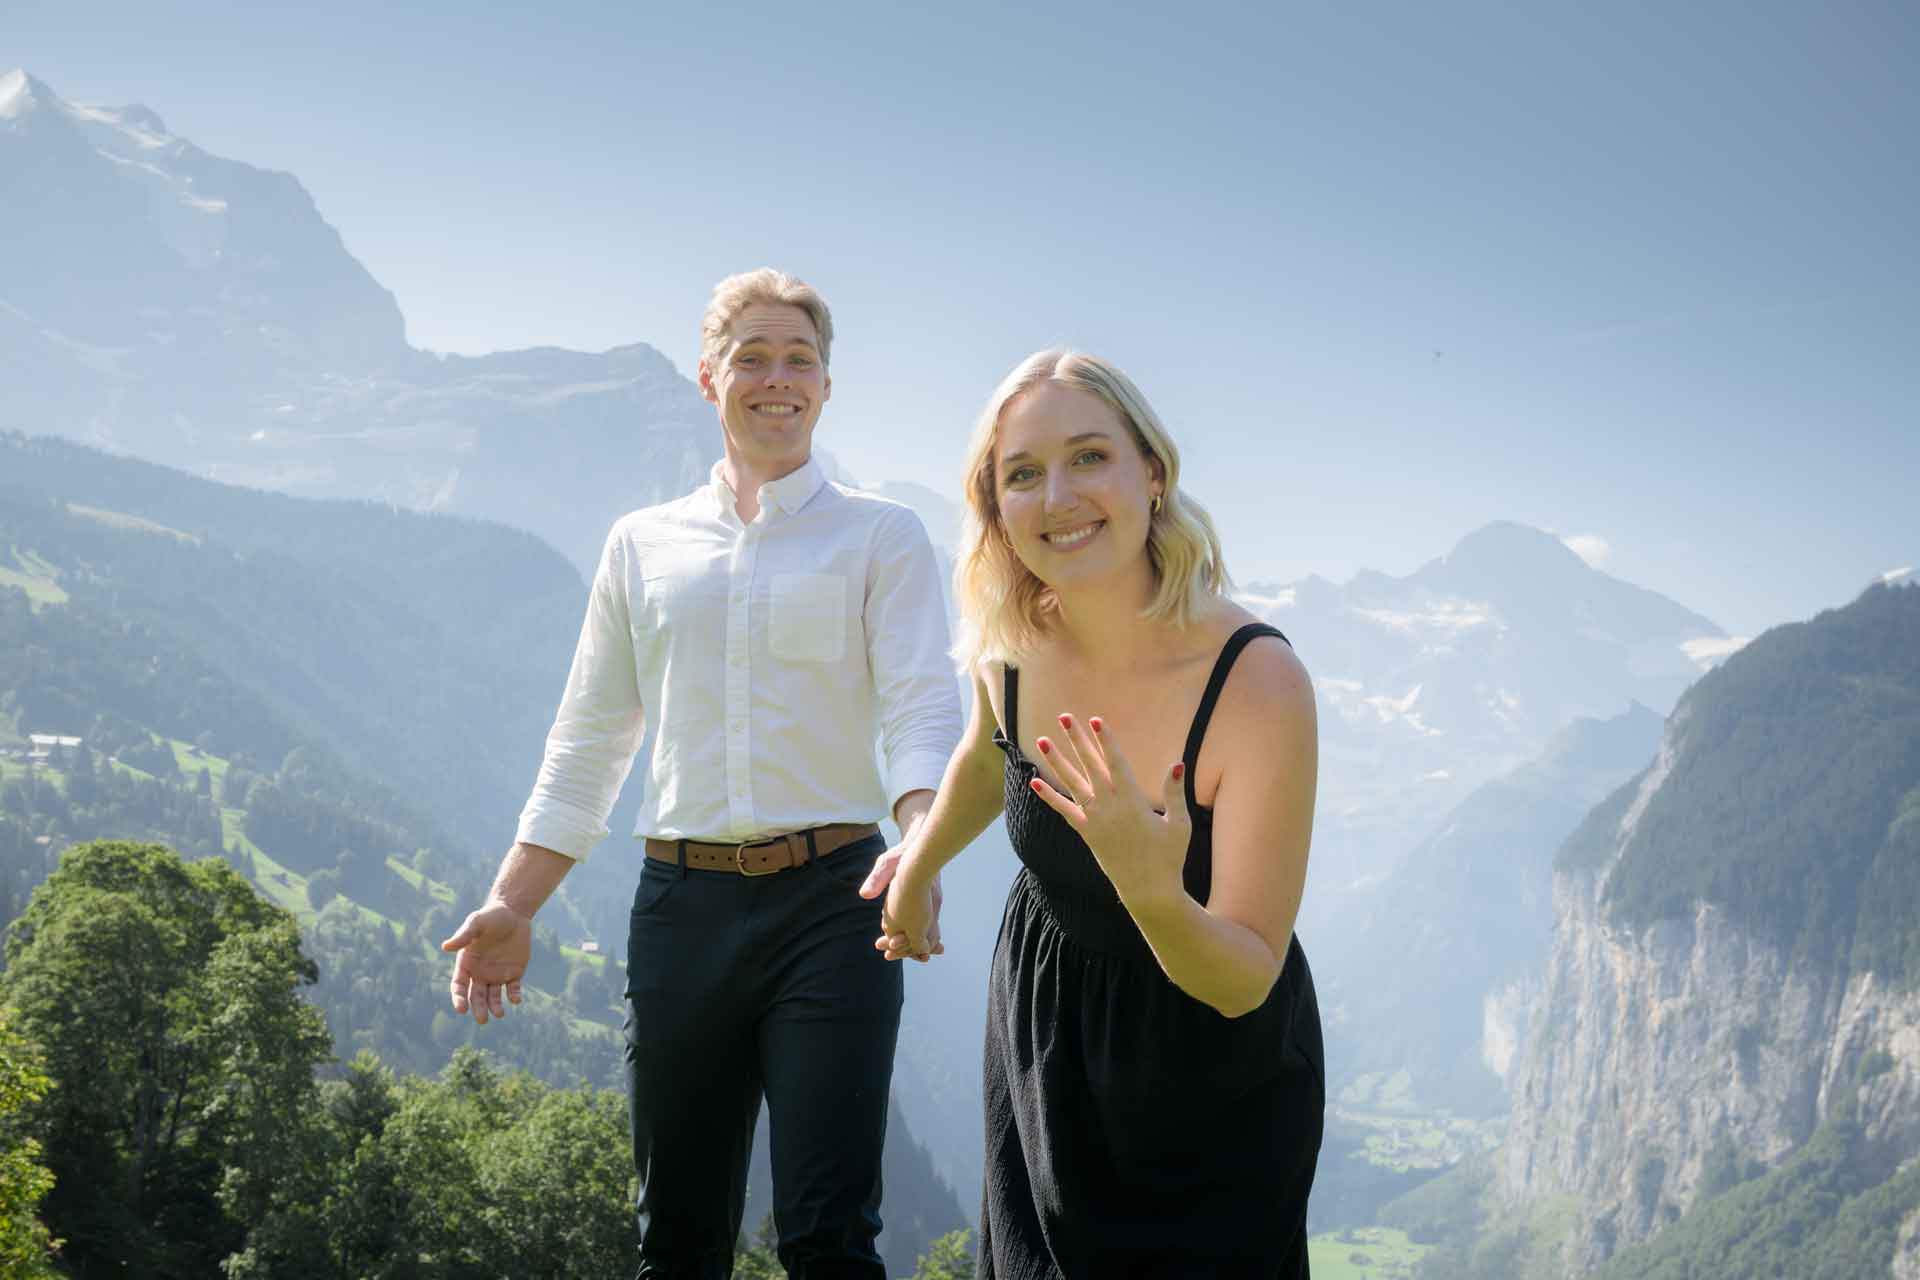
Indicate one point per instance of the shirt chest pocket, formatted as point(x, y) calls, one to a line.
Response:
point(807, 617)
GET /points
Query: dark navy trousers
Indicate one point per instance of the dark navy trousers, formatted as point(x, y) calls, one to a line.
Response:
point(740, 988)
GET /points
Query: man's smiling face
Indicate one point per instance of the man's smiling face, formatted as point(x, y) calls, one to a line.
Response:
point(770, 386)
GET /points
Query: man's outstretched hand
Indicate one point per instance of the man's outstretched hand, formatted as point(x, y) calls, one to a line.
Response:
point(491, 953)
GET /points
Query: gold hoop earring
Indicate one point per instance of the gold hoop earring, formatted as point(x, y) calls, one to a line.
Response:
point(1154, 506)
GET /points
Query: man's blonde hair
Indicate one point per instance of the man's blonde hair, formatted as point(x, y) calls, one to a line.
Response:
point(738, 292)
point(1003, 606)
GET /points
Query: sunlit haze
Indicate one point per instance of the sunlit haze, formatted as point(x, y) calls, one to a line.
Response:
point(1639, 274)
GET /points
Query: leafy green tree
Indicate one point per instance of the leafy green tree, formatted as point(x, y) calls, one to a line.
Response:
point(475, 1175)
point(948, 1258)
point(342, 1205)
point(556, 1179)
point(757, 1260)
point(165, 996)
point(25, 1243)
point(265, 1043)
point(409, 1204)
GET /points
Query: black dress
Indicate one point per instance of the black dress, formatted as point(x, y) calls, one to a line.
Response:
point(1131, 1129)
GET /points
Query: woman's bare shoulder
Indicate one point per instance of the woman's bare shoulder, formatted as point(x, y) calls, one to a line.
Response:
point(1269, 689)
point(1268, 667)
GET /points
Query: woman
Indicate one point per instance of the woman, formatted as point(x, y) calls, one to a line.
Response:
point(1154, 1082)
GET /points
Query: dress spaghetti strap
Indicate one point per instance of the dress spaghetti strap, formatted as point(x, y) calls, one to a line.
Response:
point(1222, 667)
point(1010, 701)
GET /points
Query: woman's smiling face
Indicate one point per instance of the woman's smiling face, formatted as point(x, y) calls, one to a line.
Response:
point(1073, 487)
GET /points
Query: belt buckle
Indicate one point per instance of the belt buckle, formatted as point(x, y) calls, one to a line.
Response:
point(740, 856)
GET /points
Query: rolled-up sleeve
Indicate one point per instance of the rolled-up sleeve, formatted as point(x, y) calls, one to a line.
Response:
point(916, 692)
point(599, 725)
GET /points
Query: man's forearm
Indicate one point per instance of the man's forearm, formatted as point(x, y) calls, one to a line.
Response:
point(910, 810)
point(528, 876)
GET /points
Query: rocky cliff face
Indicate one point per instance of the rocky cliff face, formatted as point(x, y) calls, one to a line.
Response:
point(1651, 1048)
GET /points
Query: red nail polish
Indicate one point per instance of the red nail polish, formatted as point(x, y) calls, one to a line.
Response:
point(1095, 724)
point(1179, 772)
point(1043, 744)
point(1066, 722)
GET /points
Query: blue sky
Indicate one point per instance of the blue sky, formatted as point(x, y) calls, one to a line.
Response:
point(1643, 272)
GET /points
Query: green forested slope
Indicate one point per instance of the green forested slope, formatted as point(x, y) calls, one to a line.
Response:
point(426, 652)
point(1827, 1213)
point(1794, 799)
point(431, 649)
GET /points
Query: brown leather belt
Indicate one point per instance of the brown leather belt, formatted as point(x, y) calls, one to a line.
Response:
point(766, 856)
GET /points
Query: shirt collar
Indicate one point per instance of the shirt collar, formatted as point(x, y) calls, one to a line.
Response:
point(788, 494)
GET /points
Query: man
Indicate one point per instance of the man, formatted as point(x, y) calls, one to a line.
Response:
point(768, 622)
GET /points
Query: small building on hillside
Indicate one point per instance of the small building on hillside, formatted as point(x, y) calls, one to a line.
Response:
point(43, 745)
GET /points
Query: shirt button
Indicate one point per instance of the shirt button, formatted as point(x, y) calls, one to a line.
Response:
point(738, 726)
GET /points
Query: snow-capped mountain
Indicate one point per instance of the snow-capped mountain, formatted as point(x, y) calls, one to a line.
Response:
point(160, 301)
point(1435, 683)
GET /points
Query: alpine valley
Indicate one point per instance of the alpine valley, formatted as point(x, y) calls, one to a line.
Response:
point(1615, 918)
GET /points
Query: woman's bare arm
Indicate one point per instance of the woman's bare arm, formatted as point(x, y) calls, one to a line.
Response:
point(1229, 953)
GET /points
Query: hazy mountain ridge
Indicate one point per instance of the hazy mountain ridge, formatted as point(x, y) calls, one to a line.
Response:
point(160, 301)
point(1667, 1037)
point(1438, 973)
point(107, 208)
point(1437, 682)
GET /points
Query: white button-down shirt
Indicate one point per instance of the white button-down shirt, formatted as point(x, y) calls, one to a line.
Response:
point(769, 657)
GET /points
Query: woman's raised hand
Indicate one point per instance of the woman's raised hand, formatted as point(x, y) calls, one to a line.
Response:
point(1143, 850)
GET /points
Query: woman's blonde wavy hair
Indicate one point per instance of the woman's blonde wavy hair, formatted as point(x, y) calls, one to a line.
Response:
point(1003, 607)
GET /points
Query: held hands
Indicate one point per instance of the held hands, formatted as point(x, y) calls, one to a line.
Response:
point(910, 920)
point(1143, 851)
point(493, 948)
